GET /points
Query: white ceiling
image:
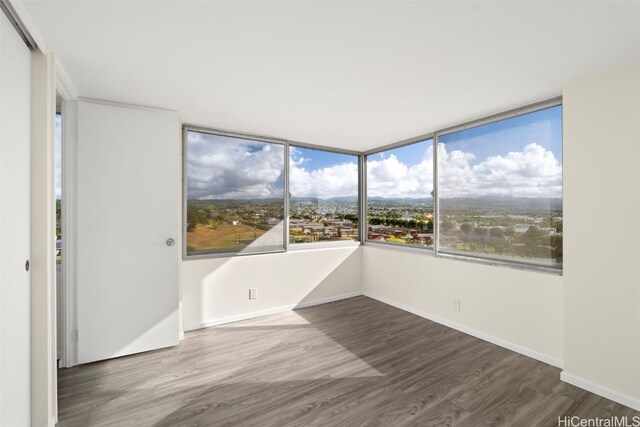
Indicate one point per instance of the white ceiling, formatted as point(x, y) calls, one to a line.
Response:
point(346, 74)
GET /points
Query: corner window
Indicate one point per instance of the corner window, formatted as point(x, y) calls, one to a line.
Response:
point(234, 194)
point(500, 189)
point(399, 195)
point(323, 206)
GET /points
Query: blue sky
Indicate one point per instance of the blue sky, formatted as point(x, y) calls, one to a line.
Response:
point(322, 174)
point(409, 155)
point(542, 127)
point(319, 159)
point(520, 157)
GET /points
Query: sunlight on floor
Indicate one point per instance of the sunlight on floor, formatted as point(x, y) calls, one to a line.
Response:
point(277, 332)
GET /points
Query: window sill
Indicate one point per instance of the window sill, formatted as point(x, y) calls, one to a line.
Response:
point(522, 266)
point(186, 257)
point(294, 247)
point(401, 246)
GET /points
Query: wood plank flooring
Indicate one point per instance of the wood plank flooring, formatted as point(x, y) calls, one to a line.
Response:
point(348, 363)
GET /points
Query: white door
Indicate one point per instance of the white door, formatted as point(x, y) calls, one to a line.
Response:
point(128, 206)
point(15, 219)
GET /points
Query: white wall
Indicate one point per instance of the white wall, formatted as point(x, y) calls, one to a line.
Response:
point(587, 321)
point(217, 290)
point(601, 235)
point(521, 310)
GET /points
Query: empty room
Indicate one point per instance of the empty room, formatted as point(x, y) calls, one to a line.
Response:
point(319, 213)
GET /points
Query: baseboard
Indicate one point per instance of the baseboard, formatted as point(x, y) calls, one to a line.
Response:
point(328, 300)
point(470, 331)
point(239, 317)
point(478, 334)
point(268, 311)
point(620, 398)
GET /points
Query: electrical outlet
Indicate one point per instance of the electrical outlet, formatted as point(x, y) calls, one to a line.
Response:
point(456, 304)
point(253, 293)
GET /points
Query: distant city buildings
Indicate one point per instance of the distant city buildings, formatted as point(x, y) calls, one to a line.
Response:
point(312, 221)
point(470, 226)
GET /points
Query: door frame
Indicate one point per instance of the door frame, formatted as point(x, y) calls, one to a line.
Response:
point(67, 287)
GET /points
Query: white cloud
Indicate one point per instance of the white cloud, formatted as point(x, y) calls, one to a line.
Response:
point(532, 172)
point(231, 168)
point(339, 180)
point(225, 168)
point(334, 181)
point(389, 177)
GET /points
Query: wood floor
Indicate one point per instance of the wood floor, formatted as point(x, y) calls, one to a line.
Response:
point(348, 363)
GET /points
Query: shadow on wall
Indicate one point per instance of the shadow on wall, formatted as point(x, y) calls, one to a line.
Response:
point(216, 290)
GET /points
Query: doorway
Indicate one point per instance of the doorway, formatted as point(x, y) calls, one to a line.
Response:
point(59, 284)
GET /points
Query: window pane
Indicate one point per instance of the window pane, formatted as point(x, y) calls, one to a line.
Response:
point(399, 201)
point(500, 188)
point(235, 195)
point(324, 196)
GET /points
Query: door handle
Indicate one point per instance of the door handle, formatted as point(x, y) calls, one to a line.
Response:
point(26, 265)
point(170, 242)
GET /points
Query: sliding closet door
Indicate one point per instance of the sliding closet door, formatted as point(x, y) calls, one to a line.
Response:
point(15, 217)
point(128, 209)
